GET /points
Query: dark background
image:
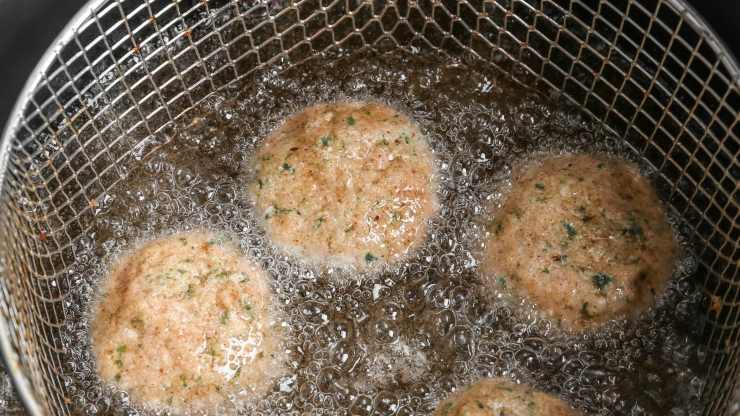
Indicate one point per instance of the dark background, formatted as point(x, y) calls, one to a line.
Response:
point(28, 27)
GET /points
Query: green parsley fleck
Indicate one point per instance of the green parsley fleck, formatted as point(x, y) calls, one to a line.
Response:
point(570, 229)
point(369, 257)
point(276, 210)
point(545, 270)
point(319, 221)
point(260, 183)
point(351, 121)
point(184, 380)
point(601, 280)
point(247, 307)
point(120, 350)
point(501, 280)
point(137, 322)
point(221, 274)
point(406, 138)
point(286, 167)
point(237, 373)
point(540, 186)
point(224, 317)
point(600, 165)
point(480, 404)
point(325, 141)
point(190, 291)
point(634, 230)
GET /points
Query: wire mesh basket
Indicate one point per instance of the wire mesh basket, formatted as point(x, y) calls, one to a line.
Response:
point(124, 70)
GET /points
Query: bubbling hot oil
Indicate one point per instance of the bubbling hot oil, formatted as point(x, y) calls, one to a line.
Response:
point(398, 341)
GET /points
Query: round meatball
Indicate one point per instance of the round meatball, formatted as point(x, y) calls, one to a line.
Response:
point(185, 323)
point(584, 238)
point(346, 184)
point(499, 397)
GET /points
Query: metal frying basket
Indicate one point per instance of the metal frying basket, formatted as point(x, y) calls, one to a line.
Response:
point(124, 70)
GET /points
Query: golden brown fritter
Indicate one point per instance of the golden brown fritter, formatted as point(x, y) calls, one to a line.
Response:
point(184, 322)
point(501, 397)
point(584, 238)
point(346, 184)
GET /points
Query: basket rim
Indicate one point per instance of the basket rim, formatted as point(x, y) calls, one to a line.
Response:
point(8, 354)
point(20, 380)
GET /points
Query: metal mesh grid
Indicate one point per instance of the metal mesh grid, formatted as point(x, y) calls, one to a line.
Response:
point(125, 69)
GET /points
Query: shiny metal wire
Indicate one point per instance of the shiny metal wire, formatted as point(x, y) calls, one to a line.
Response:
point(111, 86)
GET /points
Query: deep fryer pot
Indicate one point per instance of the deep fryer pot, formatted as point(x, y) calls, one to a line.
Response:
point(651, 71)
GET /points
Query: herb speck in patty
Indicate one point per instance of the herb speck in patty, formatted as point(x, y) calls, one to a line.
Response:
point(318, 223)
point(570, 229)
point(634, 230)
point(287, 168)
point(601, 280)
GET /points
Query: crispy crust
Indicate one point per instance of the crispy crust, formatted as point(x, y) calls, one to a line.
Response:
point(185, 321)
point(584, 238)
point(346, 184)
